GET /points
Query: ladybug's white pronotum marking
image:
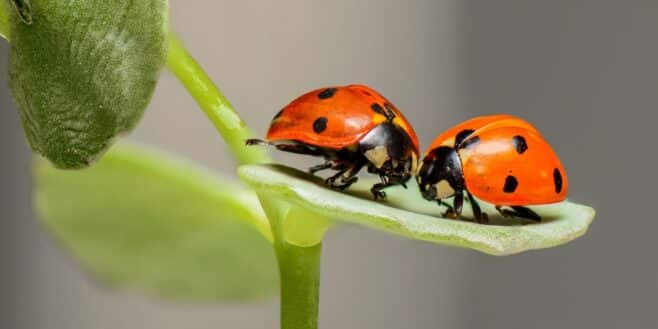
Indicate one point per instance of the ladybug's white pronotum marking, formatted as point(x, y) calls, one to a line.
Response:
point(443, 189)
point(377, 156)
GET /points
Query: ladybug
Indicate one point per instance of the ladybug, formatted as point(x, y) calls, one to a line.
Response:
point(351, 127)
point(500, 159)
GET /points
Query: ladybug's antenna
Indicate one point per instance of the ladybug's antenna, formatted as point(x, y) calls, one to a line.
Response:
point(256, 141)
point(287, 146)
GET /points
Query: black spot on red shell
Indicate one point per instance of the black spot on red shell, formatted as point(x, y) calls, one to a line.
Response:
point(557, 180)
point(510, 184)
point(388, 111)
point(470, 142)
point(461, 136)
point(378, 109)
point(519, 144)
point(320, 124)
point(327, 93)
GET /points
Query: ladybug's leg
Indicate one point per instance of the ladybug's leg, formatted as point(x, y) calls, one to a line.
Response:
point(450, 212)
point(479, 216)
point(526, 213)
point(347, 176)
point(458, 203)
point(505, 212)
point(387, 181)
point(331, 181)
point(445, 204)
point(520, 212)
point(320, 167)
point(376, 189)
point(346, 182)
point(377, 192)
point(454, 211)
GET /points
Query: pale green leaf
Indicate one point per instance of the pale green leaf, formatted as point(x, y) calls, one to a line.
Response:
point(83, 71)
point(406, 213)
point(141, 220)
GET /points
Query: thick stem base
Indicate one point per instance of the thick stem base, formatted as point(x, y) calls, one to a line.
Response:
point(299, 268)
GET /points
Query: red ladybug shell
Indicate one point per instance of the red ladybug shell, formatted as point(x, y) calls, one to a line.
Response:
point(505, 161)
point(447, 138)
point(335, 117)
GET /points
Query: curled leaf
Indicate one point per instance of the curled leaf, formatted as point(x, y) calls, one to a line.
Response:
point(406, 213)
point(141, 220)
point(83, 71)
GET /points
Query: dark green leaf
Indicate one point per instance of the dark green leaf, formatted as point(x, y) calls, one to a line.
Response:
point(83, 71)
point(141, 220)
point(406, 213)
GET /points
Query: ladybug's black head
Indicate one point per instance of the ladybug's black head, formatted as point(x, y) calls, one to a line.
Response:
point(389, 152)
point(440, 175)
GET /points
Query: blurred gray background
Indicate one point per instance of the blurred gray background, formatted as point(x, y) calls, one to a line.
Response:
point(585, 72)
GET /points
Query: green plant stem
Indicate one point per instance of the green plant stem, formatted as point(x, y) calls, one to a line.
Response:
point(299, 266)
point(211, 100)
point(299, 269)
point(4, 19)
